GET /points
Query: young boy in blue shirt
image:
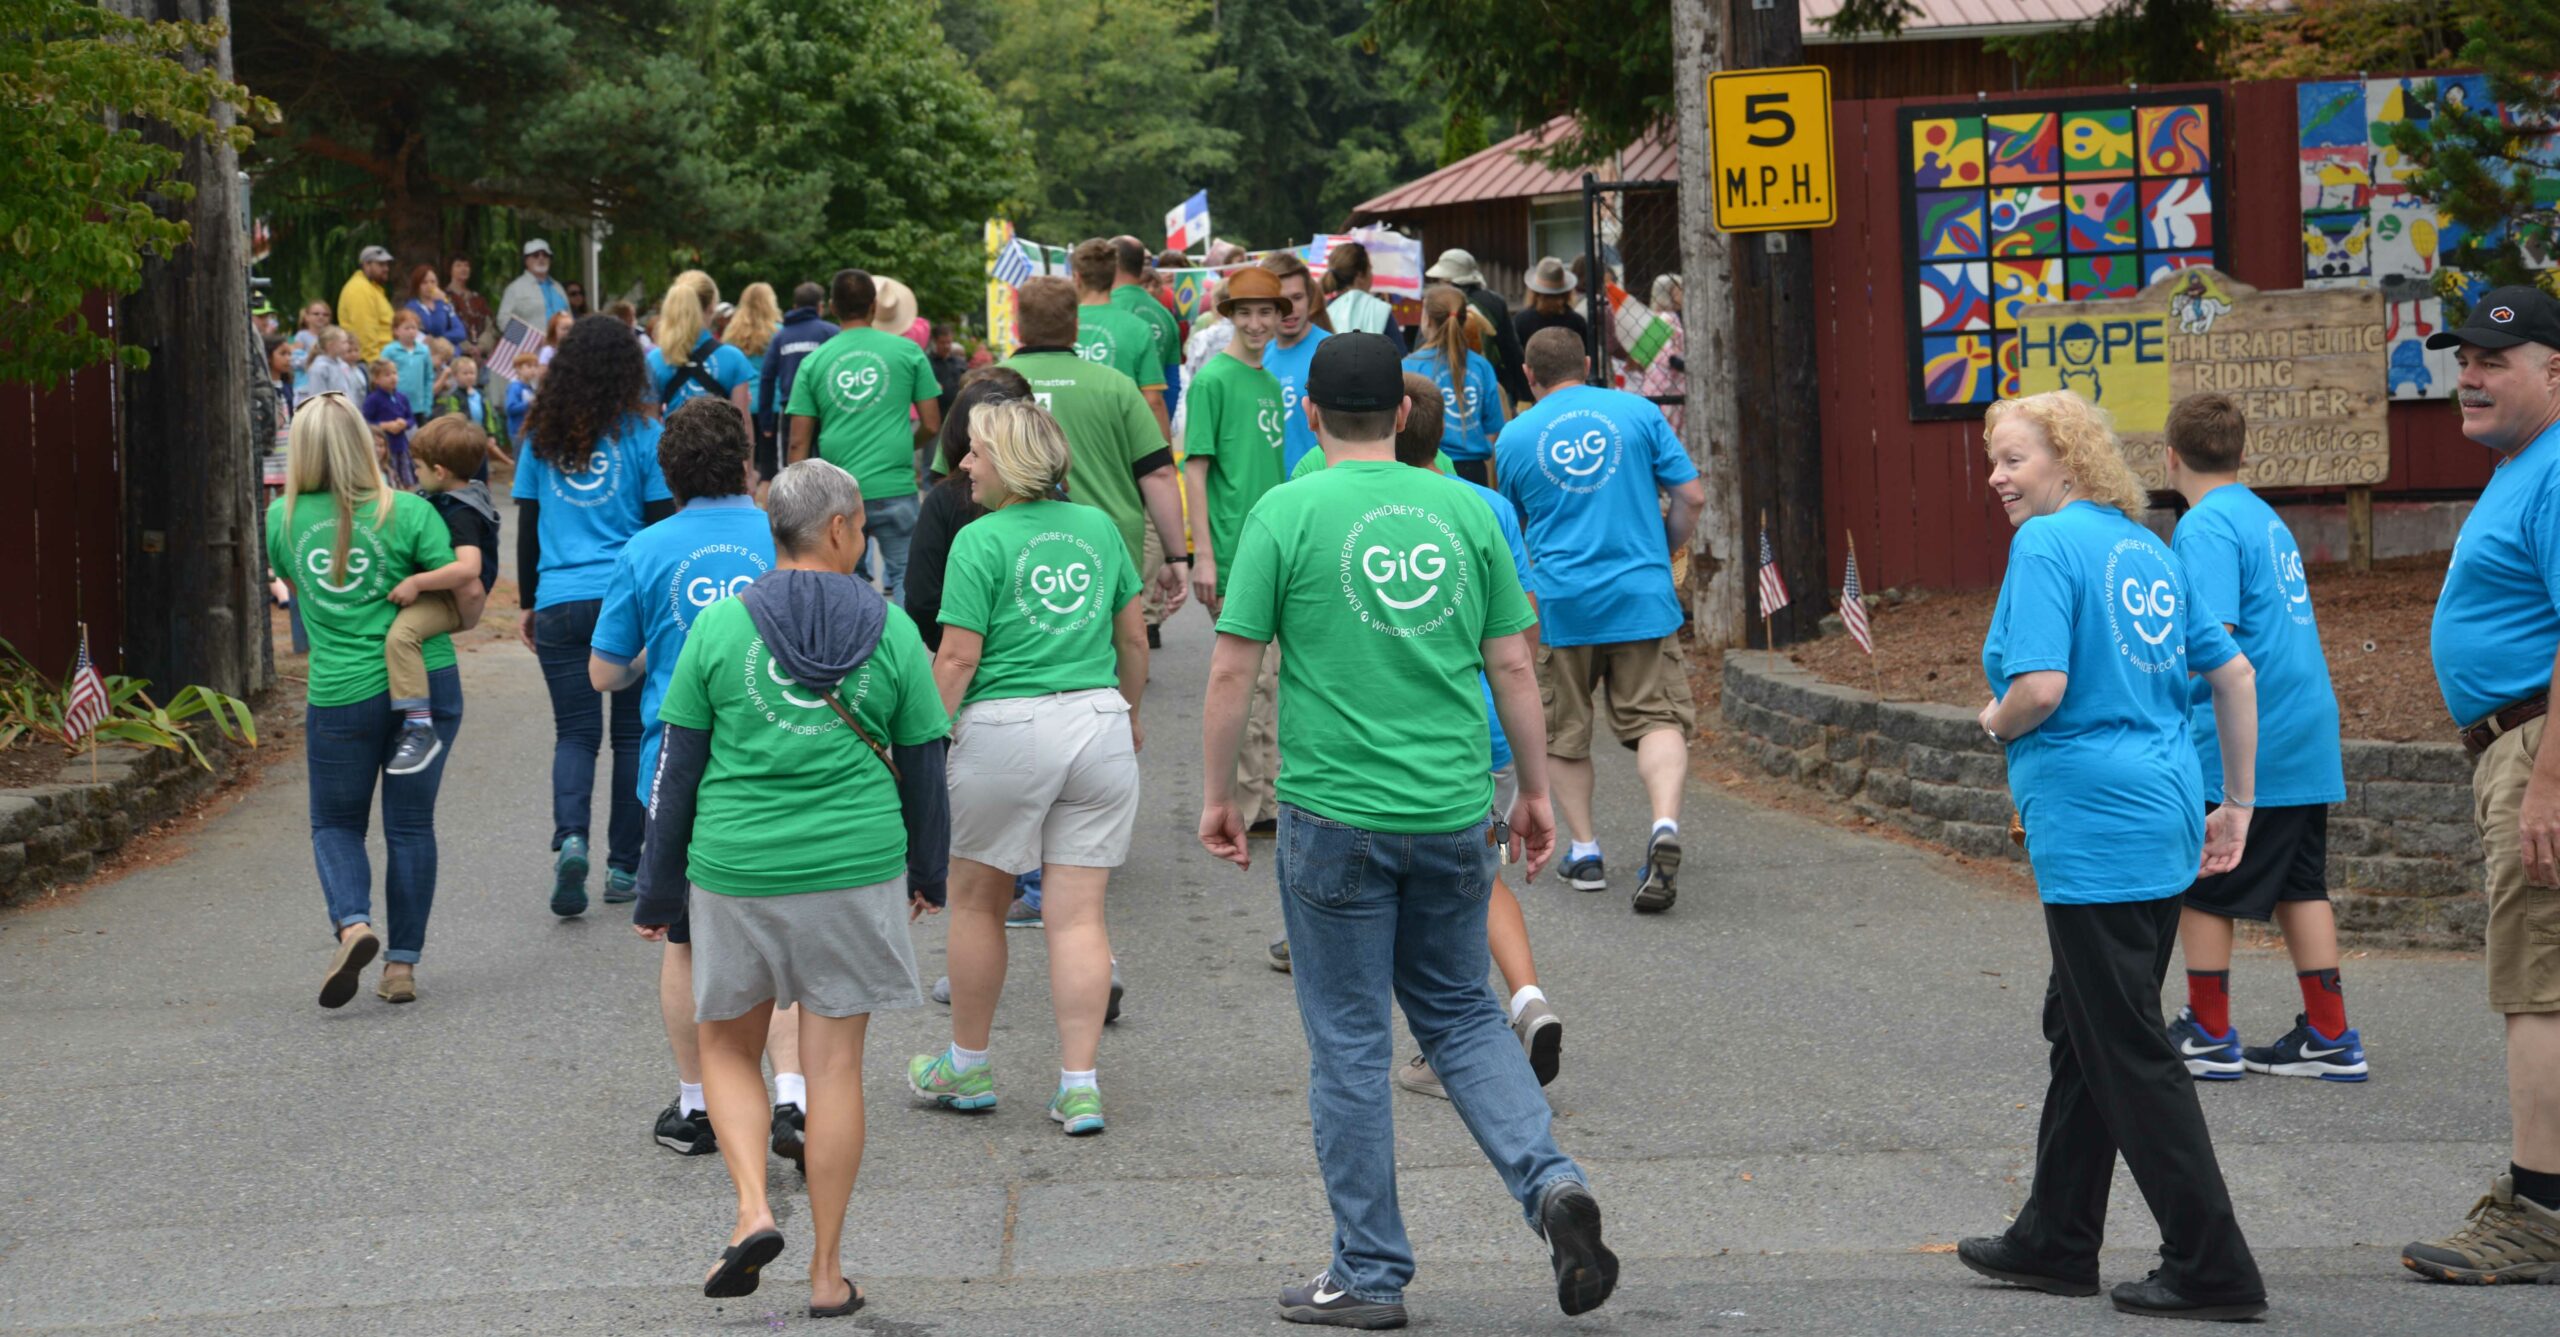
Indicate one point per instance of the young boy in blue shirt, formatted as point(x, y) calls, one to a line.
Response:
point(2243, 564)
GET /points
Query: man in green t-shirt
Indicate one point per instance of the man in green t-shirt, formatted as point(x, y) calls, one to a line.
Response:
point(866, 400)
point(1107, 334)
point(1120, 463)
point(1130, 293)
point(1388, 590)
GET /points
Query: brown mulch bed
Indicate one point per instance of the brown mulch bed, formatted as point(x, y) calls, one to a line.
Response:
point(2373, 624)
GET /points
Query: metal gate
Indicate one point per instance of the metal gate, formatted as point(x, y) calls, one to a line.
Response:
point(1631, 234)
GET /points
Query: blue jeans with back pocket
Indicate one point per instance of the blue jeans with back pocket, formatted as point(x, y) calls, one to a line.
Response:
point(1373, 915)
point(345, 749)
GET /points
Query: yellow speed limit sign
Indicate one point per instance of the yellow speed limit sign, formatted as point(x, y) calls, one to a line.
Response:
point(1772, 135)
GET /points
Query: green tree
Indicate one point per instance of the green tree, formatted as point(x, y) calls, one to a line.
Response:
point(77, 201)
point(1607, 63)
point(1324, 116)
point(2494, 174)
point(2317, 38)
point(1112, 94)
point(878, 148)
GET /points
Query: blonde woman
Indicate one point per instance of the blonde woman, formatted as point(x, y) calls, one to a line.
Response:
point(1044, 657)
point(689, 360)
point(2088, 657)
point(751, 332)
point(344, 540)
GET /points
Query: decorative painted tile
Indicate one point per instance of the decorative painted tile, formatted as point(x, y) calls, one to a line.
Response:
point(1950, 223)
point(2016, 284)
point(1955, 297)
point(2005, 360)
point(2098, 216)
point(2097, 143)
point(2336, 247)
point(2176, 141)
point(2026, 220)
point(2408, 238)
point(2158, 263)
point(2024, 147)
point(2329, 114)
point(1946, 153)
point(2177, 212)
point(2337, 177)
point(2103, 277)
point(1957, 369)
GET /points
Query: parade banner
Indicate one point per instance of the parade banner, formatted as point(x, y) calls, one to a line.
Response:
point(2305, 367)
point(1003, 256)
point(1395, 262)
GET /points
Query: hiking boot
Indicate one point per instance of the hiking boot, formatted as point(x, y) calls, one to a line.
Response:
point(1999, 1258)
point(1416, 1076)
point(569, 878)
point(1661, 863)
point(1541, 1034)
point(417, 749)
point(2509, 1240)
point(1321, 1301)
point(2152, 1298)
point(621, 886)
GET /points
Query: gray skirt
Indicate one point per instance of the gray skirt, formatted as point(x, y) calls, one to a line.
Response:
point(837, 953)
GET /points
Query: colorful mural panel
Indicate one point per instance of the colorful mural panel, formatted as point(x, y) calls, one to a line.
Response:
point(2026, 220)
point(1955, 297)
point(1951, 225)
point(2024, 147)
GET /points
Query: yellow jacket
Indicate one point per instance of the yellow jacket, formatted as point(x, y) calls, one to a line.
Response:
point(364, 310)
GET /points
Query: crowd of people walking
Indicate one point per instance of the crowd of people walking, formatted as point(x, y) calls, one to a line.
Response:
point(869, 633)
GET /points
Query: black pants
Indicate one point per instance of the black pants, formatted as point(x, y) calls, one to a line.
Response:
point(2119, 1086)
point(1478, 472)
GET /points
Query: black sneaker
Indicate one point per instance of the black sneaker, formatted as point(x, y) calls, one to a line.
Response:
point(1585, 874)
point(1661, 863)
point(417, 749)
point(621, 886)
point(1994, 1256)
point(790, 1134)
point(1320, 1302)
point(2152, 1298)
point(1569, 1218)
point(686, 1134)
point(1155, 635)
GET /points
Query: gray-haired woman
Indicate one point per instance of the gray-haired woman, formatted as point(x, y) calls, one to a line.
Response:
point(799, 792)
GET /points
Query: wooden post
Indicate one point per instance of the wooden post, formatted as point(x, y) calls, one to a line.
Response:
point(1710, 425)
point(1780, 418)
point(2360, 528)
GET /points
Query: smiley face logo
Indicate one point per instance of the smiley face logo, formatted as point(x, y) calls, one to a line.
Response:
point(1404, 570)
point(362, 581)
point(1072, 582)
point(856, 381)
point(2285, 560)
point(769, 692)
point(1096, 345)
point(2143, 596)
point(599, 471)
point(1580, 451)
point(1391, 571)
point(322, 561)
point(1267, 419)
point(1055, 576)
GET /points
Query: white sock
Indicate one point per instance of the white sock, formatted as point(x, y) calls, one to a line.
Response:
point(791, 1088)
point(964, 1059)
point(1529, 993)
point(1664, 826)
point(1584, 849)
point(1068, 1081)
point(689, 1098)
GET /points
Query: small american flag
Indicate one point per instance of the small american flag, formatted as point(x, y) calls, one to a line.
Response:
point(87, 705)
point(1773, 587)
point(519, 339)
point(1853, 605)
point(1013, 265)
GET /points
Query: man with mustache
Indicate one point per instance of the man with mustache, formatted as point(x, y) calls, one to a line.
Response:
point(2497, 630)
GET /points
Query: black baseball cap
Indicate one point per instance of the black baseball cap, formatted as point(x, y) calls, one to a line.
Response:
point(1356, 373)
point(2505, 317)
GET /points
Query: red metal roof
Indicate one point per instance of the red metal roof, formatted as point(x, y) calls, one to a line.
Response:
point(1500, 173)
point(1948, 18)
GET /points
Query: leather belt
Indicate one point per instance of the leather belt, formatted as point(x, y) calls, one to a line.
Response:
point(2478, 737)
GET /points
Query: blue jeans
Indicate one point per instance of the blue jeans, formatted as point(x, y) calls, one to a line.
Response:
point(347, 747)
point(1371, 913)
point(562, 637)
point(887, 526)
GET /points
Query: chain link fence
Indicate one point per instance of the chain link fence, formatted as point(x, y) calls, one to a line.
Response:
point(1631, 233)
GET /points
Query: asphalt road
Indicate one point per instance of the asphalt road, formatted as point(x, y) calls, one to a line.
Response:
point(1792, 1094)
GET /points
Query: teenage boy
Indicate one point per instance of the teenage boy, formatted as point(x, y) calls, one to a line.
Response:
point(2243, 564)
point(1130, 293)
point(716, 544)
point(1303, 327)
point(436, 603)
point(1231, 456)
point(1389, 592)
point(1586, 466)
point(851, 401)
point(1108, 335)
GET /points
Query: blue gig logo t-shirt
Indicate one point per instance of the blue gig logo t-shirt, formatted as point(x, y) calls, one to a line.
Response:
point(1583, 466)
point(1507, 519)
point(1289, 367)
point(723, 364)
point(2498, 618)
point(587, 516)
point(1471, 418)
point(665, 576)
point(2107, 784)
point(2243, 565)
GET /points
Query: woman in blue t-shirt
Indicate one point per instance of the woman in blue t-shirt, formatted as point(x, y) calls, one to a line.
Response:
point(1470, 398)
point(2088, 655)
point(586, 481)
point(706, 366)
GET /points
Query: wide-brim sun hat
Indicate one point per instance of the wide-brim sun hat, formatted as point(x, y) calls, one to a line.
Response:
point(1251, 284)
point(1455, 265)
point(1552, 279)
point(893, 307)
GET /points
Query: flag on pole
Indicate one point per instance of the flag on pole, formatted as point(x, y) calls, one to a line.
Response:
point(1187, 224)
point(1640, 332)
point(1013, 264)
point(1773, 586)
point(87, 704)
point(518, 338)
point(1853, 605)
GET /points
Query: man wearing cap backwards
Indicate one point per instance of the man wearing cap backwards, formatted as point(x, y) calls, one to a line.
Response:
point(1458, 269)
point(2497, 630)
point(1585, 466)
point(364, 305)
point(531, 296)
point(1388, 589)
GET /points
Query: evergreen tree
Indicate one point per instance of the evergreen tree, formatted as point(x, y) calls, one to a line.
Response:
point(1324, 116)
point(2497, 177)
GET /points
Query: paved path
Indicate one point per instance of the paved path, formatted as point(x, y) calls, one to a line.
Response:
point(1822, 1067)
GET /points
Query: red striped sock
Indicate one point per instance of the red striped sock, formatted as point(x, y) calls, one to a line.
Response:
point(2209, 997)
point(2324, 1001)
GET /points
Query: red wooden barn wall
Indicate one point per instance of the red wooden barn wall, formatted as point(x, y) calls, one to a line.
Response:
point(62, 517)
point(1913, 493)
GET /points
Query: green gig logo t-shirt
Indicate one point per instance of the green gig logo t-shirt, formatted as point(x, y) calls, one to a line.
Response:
point(1040, 581)
point(1233, 419)
point(860, 386)
point(348, 612)
point(1109, 336)
point(792, 801)
point(1141, 303)
point(1380, 582)
point(1109, 429)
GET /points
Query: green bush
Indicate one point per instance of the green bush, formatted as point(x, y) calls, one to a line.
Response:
point(31, 710)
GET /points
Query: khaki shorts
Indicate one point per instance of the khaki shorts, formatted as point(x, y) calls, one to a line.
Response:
point(2524, 920)
point(1044, 779)
point(1645, 685)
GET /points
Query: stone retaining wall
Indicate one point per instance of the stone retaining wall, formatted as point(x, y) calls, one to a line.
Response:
point(57, 832)
point(2404, 859)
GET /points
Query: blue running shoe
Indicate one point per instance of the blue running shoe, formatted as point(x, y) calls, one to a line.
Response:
point(569, 878)
point(2210, 1057)
point(1585, 874)
point(2304, 1052)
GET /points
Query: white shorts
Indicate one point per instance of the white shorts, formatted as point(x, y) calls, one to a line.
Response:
point(1044, 779)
